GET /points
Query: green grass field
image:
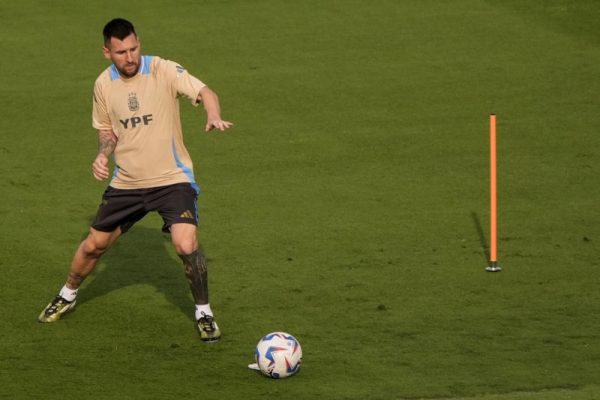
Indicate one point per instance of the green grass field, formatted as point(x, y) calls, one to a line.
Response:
point(348, 206)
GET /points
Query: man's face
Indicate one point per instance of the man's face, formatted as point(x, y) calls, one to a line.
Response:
point(125, 54)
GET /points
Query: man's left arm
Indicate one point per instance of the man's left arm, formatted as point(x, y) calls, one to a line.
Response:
point(213, 110)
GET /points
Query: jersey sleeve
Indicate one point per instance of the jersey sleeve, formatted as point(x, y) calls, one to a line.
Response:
point(182, 82)
point(100, 117)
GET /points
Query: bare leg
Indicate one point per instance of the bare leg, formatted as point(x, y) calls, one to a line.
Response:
point(194, 261)
point(84, 261)
point(196, 271)
point(88, 254)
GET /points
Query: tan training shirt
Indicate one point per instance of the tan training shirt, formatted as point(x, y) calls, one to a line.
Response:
point(143, 112)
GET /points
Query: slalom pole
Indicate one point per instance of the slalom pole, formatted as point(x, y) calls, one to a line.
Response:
point(493, 265)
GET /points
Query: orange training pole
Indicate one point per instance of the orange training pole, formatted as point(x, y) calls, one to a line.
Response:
point(493, 267)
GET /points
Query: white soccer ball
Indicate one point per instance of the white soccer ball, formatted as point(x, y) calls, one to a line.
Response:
point(278, 355)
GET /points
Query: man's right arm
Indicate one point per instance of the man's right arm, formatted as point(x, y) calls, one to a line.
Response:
point(107, 141)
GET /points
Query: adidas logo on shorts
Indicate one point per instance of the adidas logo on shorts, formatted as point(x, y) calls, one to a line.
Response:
point(187, 214)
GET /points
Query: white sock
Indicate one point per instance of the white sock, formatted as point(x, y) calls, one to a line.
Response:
point(203, 309)
point(68, 294)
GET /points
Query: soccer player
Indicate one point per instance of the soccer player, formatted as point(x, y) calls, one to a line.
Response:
point(136, 113)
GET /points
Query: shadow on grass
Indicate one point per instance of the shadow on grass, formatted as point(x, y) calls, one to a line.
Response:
point(141, 256)
point(482, 239)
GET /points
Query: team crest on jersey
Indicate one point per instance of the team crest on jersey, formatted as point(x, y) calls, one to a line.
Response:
point(133, 103)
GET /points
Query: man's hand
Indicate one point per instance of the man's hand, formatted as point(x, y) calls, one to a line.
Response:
point(100, 167)
point(213, 110)
point(217, 123)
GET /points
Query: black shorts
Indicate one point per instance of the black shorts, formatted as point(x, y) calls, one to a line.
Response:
point(124, 207)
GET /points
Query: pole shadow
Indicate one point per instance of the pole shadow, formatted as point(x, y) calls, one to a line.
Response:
point(482, 239)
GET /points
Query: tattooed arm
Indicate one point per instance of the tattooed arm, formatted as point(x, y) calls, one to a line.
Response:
point(107, 141)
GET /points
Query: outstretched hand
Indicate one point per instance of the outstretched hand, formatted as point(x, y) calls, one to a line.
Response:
point(218, 124)
point(213, 110)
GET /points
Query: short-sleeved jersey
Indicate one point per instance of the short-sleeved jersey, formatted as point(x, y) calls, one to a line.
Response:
point(143, 112)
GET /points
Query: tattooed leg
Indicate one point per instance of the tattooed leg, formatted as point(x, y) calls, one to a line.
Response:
point(74, 280)
point(196, 271)
point(87, 255)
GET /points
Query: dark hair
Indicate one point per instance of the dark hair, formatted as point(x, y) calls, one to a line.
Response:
point(118, 28)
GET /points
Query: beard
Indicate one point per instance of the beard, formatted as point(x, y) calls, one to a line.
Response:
point(129, 70)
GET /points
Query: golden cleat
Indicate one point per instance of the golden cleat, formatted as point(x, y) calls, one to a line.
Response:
point(56, 309)
point(208, 328)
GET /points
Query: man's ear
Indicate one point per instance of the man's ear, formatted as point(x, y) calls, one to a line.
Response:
point(106, 52)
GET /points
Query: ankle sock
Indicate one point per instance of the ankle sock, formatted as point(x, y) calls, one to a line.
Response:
point(68, 294)
point(203, 309)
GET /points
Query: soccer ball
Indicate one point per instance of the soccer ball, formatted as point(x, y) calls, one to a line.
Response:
point(278, 355)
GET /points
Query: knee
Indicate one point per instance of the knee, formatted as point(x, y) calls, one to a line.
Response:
point(183, 237)
point(92, 247)
point(185, 245)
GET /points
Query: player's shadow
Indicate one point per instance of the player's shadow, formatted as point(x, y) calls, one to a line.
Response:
point(140, 256)
point(482, 239)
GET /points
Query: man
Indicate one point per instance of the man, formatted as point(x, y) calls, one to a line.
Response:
point(136, 113)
